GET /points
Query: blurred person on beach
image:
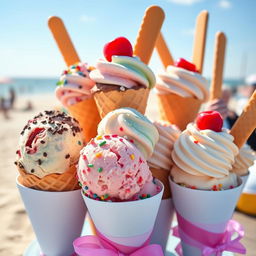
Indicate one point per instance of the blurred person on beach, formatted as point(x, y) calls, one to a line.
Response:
point(228, 114)
point(12, 97)
point(4, 107)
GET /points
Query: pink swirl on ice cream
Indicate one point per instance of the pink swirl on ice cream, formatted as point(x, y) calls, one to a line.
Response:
point(182, 82)
point(112, 168)
point(75, 85)
point(162, 155)
point(134, 126)
point(49, 143)
point(244, 160)
point(204, 159)
point(123, 71)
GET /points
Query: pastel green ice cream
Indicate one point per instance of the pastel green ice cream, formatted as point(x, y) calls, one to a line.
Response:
point(134, 126)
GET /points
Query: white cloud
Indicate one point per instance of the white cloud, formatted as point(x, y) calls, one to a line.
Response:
point(87, 19)
point(225, 4)
point(188, 32)
point(185, 2)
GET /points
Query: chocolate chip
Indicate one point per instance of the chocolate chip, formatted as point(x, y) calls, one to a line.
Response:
point(45, 154)
point(32, 171)
point(67, 156)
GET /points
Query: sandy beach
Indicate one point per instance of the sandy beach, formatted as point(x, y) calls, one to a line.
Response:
point(16, 231)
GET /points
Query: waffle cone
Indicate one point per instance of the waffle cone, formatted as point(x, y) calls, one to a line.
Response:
point(86, 113)
point(111, 100)
point(246, 123)
point(66, 181)
point(163, 176)
point(178, 110)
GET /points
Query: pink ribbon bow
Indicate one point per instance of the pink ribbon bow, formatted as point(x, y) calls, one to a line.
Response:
point(208, 242)
point(92, 246)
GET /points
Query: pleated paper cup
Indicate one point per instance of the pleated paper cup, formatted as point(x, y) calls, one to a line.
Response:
point(209, 210)
point(125, 224)
point(163, 223)
point(57, 218)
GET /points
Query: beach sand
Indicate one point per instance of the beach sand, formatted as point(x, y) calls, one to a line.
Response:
point(16, 232)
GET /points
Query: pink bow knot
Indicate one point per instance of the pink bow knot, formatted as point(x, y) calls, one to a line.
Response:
point(92, 245)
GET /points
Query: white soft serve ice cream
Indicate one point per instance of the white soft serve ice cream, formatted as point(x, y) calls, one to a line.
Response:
point(162, 155)
point(183, 81)
point(203, 157)
point(244, 160)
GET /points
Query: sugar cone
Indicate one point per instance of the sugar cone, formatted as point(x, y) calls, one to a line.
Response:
point(66, 181)
point(178, 110)
point(87, 114)
point(109, 101)
point(163, 176)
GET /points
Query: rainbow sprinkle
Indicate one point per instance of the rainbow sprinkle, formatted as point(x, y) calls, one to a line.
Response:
point(98, 155)
point(90, 165)
point(102, 143)
point(99, 137)
point(100, 169)
point(132, 156)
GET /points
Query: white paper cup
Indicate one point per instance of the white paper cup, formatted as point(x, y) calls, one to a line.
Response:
point(125, 223)
point(209, 210)
point(163, 223)
point(57, 218)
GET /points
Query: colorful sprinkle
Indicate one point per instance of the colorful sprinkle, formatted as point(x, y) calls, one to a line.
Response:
point(231, 187)
point(132, 141)
point(95, 195)
point(107, 137)
point(86, 187)
point(98, 155)
point(115, 136)
point(99, 137)
point(196, 141)
point(102, 143)
point(121, 129)
point(132, 156)
point(84, 157)
point(148, 195)
point(79, 143)
point(90, 165)
point(100, 169)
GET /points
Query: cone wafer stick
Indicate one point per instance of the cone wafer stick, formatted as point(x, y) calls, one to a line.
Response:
point(199, 40)
point(246, 123)
point(63, 40)
point(148, 33)
point(218, 66)
point(163, 51)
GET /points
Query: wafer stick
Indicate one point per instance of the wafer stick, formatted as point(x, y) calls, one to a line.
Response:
point(63, 40)
point(246, 123)
point(199, 40)
point(163, 51)
point(218, 66)
point(148, 33)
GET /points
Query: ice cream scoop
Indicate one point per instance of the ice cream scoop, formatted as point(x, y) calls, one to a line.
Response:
point(49, 144)
point(74, 85)
point(182, 79)
point(132, 125)
point(112, 168)
point(244, 160)
point(203, 157)
point(162, 155)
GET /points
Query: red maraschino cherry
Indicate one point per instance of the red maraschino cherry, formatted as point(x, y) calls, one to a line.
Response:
point(182, 63)
point(211, 120)
point(121, 46)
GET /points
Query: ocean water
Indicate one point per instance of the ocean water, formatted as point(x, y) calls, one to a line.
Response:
point(30, 86)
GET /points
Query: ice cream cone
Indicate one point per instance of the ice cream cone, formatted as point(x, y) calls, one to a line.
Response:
point(178, 110)
point(66, 181)
point(109, 101)
point(57, 218)
point(207, 210)
point(86, 113)
point(120, 224)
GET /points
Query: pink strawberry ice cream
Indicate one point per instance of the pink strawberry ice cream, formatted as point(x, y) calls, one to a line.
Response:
point(112, 168)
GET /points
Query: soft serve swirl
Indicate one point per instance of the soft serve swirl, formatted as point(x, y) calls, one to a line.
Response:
point(134, 126)
point(124, 71)
point(168, 134)
point(74, 85)
point(182, 82)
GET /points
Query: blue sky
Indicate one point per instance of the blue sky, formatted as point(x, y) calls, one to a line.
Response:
point(28, 49)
